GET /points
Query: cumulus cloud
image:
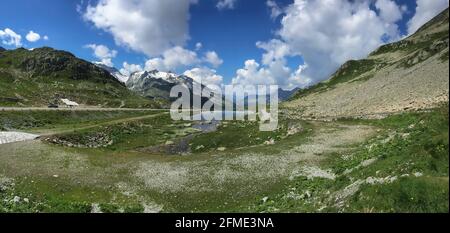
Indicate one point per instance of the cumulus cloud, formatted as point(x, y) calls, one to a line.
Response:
point(147, 26)
point(328, 33)
point(275, 10)
point(274, 68)
point(389, 10)
point(212, 58)
point(225, 4)
point(425, 11)
point(274, 73)
point(172, 59)
point(275, 50)
point(10, 38)
point(198, 46)
point(103, 53)
point(130, 68)
point(325, 34)
point(251, 73)
point(33, 36)
point(46, 38)
point(205, 75)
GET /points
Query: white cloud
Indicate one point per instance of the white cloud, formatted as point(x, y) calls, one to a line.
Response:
point(10, 38)
point(389, 11)
point(325, 34)
point(147, 26)
point(251, 74)
point(33, 36)
point(130, 68)
point(198, 46)
point(205, 75)
point(103, 53)
point(274, 69)
point(274, 73)
point(275, 10)
point(225, 4)
point(212, 58)
point(46, 38)
point(172, 59)
point(275, 50)
point(425, 11)
point(328, 33)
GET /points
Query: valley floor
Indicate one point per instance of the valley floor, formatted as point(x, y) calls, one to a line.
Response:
point(144, 162)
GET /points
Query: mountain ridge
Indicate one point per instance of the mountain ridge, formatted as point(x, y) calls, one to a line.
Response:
point(42, 75)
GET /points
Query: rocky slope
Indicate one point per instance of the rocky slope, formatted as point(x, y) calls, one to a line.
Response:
point(43, 75)
point(410, 74)
point(113, 71)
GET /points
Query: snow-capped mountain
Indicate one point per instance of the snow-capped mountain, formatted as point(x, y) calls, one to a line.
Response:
point(113, 71)
point(156, 84)
point(151, 84)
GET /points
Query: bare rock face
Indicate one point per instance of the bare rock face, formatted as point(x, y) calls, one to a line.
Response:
point(411, 74)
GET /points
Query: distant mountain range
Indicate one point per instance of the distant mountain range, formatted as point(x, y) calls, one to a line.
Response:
point(157, 84)
point(42, 76)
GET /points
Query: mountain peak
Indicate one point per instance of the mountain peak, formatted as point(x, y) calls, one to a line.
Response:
point(113, 71)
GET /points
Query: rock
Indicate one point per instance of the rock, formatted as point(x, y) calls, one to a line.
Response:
point(169, 143)
point(199, 147)
point(95, 209)
point(16, 199)
point(294, 129)
point(418, 174)
point(269, 142)
point(264, 199)
point(221, 149)
point(308, 194)
point(55, 176)
point(26, 200)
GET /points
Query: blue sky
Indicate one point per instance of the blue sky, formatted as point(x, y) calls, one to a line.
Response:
point(231, 32)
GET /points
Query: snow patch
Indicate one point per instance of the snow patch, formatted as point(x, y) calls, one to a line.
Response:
point(9, 137)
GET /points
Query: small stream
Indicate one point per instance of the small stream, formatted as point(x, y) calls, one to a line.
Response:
point(181, 146)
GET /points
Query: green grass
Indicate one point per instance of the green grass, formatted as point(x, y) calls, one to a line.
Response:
point(408, 195)
point(142, 133)
point(235, 135)
point(62, 196)
point(408, 144)
point(418, 143)
point(35, 120)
